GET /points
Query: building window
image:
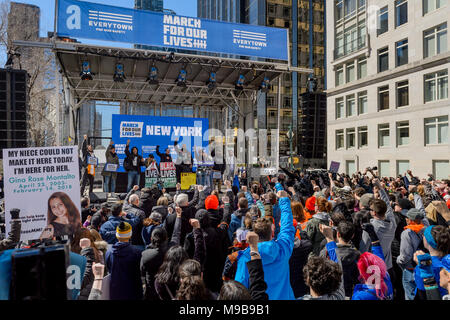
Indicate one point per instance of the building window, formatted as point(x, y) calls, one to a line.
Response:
point(349, 7)
point(441, 169)
point(351, 139)
point(363, 137)
point(339, 76)
point(401, 52)
point(362, 102)
point(351, 105)
point(402, 93)
point(350, 167)
point(384, 168)
point(401, 12)
point(362, 68)
point(339, 11)
point(435, 40)
point(402, 167)
point(436, 86)
point(431, 5)
point(339, 139)
point(383, 98)
point(383, 59)
point(350, 72)
point(361, 4)
point(382, 20)
point(402, 133)
point(436, 130)
point(350, 39)
point(340, 111)
point(383, 135)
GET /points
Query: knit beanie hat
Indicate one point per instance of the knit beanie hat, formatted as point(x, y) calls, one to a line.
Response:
point(212, 202)
point(365, 199)
point(414, 214)
point(123, 231)
point(310, 203)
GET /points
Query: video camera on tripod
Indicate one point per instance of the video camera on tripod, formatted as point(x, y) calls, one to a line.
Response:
point(40, 272)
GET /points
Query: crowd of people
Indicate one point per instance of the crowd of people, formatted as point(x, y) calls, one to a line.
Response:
point(298, 235)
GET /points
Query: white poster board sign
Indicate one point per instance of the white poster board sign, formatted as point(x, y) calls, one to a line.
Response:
point(44, 184)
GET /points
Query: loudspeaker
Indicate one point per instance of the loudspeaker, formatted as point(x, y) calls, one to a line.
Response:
point(98, 197)
point(312, 125)
point(13, 109)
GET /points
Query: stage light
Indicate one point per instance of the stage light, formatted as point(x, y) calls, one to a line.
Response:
point(240, 82)
point(153, 75)
point(119, 74)
point(86, 73)
point(181, 80)
point(265, 85)
point(212, 83)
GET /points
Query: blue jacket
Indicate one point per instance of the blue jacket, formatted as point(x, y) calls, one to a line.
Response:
point(367, 292)
point(237, 221)
point(436, 265)
point(108, 229)
point(123, 261)
point(277, 212)
point(249, 198)
point(275, 255)
point(147, 233)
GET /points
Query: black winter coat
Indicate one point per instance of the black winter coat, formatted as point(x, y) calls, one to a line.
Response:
point(298, 260)
point(152, 259)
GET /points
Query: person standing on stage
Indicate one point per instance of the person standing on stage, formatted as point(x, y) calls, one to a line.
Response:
point(132, 165)
point(89, 172)
point(165, 157)
point(184, 160)
point(110, 176)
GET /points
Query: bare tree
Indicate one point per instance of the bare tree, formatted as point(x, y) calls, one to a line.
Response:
point(21, 22)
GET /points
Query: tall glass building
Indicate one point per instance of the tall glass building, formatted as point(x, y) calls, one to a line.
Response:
point(152, 5)
point(305, 20)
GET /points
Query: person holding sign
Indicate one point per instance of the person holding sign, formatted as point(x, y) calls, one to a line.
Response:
point(90, 162)
point(110, 169)
point(63, 217)
point(132, 165)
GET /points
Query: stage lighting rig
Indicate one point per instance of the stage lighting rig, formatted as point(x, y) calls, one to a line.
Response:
point(119, 74)
point(86, 73)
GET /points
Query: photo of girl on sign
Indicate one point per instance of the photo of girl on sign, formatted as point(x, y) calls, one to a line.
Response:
point(63, 217)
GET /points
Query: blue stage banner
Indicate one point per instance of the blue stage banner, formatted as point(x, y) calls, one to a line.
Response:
point(79, 19)
point(147, 132)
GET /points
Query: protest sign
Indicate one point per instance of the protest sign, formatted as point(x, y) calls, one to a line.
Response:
point(188, 179)
point(168, 174)
point(44, 184)
point(334, 166)
point(109, 167)
point(151, 175)
point(146, 133)
point(92, 160)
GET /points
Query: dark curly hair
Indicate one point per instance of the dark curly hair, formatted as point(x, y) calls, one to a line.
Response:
point(192, 286)
point(168, 272)
point(322, 275)
point(441, 235)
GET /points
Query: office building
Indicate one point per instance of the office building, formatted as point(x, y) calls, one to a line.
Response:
point(387, 86)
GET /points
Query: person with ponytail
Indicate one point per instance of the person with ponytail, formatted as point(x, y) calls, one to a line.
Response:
point(192, 286)
point(436, 239)
point(376, 283)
